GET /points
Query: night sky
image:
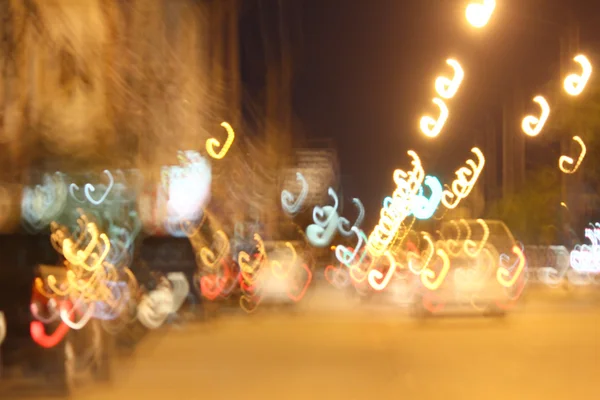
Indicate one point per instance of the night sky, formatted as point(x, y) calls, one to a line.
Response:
point(368, 68)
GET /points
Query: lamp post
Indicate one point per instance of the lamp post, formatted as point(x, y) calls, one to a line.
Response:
point(478, 13)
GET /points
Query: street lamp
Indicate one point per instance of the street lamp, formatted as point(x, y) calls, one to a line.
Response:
point(574, 84)
point(478, 14)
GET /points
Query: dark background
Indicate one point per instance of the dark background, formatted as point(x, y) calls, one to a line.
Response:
point(366, 72)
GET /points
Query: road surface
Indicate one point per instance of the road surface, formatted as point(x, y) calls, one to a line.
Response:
point(546, 350)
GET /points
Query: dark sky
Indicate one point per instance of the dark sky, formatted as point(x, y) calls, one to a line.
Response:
point(368, 69)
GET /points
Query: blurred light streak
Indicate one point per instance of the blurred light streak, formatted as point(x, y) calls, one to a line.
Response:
point(212, 143)
point(447, 88)
point(40, 337)
point(503, 273)
point(428, 274)
point(338, 277)
point(552, 273)
point(89, 189)
point(325, 226)
point(208, 257)
point(347, 256)
point(531, 125)
point(155, 306)
point(478, 14)
point(430, 251)
point(462, 185)
point(2, 327)
point(392, 215)
point(67, 315)
point(45, 202)
point(187, 189)
point(377, 279)
point(343, 225)
point(471, 248)
point(297, 295)
point(574, 84)
point(276, 267)
point(180, 289)
point(290, 205)
point(432, 127)
point(423, 207)
point(586, 258)
point(568, 160)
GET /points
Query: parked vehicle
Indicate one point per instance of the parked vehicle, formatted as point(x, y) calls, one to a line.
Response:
point(58, 357)
point(477, 266)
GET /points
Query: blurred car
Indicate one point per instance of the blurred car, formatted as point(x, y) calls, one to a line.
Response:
point(27, 366)
point(286, 274)
point(478, 266)
point(79, 352)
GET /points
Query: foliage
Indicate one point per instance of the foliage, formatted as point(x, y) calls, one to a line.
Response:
point(580, 116)
point(530, 212)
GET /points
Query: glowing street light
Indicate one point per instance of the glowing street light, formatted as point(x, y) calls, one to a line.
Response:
point(532, 125)
point(574, 84)
point(478, 14)
point(569, 161)
point(447, 88)
point(432, 127)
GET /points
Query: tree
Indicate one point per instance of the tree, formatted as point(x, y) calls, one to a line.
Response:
point(578, 116)
point(531, 213)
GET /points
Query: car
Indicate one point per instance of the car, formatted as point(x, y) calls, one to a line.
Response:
point(52, 358)
point(477, 265)
point(284, 278)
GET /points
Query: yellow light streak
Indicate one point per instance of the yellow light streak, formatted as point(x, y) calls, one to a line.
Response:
point(568, 160)
point(393, 214)
point(375, 275)
point(466, 177)
point(531, 125)
point(208, 256)
point(432, 127)
point(503, 273)
point(212, 143)
point(478, 14)
point(428, 275)
point(277, 268)
point(447, 88)
point(574, 84)
point(471, 248)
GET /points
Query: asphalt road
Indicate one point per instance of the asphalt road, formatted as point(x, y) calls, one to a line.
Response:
point(546, 349)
